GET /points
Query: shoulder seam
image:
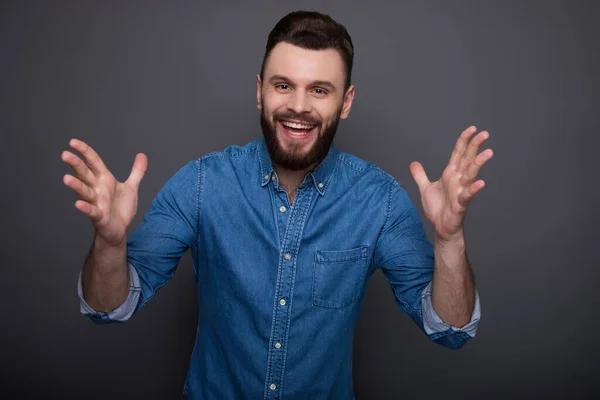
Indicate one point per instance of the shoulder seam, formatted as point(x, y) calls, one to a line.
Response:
point(371, 166)
point(352, 165)
point(393, 185)
point(210, 155)
point(198, 195)
point(224, 153)
point(241, 153)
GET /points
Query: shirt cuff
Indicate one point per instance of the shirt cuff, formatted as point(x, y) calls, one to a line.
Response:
point(434, 324)
point(123, 312)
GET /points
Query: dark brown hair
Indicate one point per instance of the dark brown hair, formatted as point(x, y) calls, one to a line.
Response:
point(314, 31)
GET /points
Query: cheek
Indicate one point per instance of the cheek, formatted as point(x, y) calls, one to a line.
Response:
point(329, 112)
point(273, 102)
point(268, 113)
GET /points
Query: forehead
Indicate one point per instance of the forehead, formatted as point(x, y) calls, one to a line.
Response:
point(303, 65)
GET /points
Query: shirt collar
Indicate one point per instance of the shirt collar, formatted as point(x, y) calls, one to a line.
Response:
point(320, 176)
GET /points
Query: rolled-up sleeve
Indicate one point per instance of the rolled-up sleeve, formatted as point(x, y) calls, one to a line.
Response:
point(120, 314)
point(433, 324)
point(406, 258)
point(154, 249)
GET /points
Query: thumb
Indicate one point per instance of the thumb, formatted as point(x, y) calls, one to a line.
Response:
point(419, 175)
point(138, 170)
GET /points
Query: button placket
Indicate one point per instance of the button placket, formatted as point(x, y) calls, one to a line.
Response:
point(284, 290)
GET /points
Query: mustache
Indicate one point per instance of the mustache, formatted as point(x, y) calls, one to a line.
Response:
point(296, 117)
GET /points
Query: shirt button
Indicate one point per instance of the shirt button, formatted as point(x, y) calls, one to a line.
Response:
point(266, 176)
point(273, 177)
point(273, 386)
point(288, 256)
point(321, 185)
point(277, 345)
point(282, 302)
point(282, 209)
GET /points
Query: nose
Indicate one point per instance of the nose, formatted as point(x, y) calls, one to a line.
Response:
point(299, 102)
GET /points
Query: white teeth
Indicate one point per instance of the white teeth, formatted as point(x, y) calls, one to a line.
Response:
point(295, 125)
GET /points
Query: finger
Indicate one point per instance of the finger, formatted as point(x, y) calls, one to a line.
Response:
point(82, 171)
point(466, 195)
point(472, 150)
point(419, 175)
point(140, 165)
point(474, 168)
point(84, 191)
point(90, 210)
point(461, 144)
point(91, 157)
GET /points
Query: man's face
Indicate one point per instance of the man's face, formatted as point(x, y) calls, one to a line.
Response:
point(301, 99)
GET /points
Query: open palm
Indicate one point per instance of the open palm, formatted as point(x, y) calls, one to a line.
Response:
point(445, 201)
point(110, 204)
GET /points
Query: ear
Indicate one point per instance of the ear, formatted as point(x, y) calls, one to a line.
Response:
point(347, 105)
point(258, 92)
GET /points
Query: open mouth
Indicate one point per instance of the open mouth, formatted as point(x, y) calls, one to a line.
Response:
point(297, 130)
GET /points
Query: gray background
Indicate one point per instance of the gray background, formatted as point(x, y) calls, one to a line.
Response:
point(176, 80)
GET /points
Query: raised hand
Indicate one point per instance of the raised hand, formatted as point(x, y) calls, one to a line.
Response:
point(445, 201)
point(111, 205)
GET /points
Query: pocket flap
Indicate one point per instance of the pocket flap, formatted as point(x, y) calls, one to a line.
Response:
point(334, 256)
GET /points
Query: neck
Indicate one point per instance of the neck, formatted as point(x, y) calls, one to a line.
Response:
point(291, 179)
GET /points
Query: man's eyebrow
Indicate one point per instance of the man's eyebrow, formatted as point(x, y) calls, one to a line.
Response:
point(327, 84)
point(276, 78)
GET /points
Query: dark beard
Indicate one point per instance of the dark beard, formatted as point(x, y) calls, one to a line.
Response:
point(292, 161)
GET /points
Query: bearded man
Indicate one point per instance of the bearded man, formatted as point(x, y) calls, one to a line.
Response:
point(284, 233)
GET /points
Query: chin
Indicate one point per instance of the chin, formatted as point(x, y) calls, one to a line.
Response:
point(296, 150)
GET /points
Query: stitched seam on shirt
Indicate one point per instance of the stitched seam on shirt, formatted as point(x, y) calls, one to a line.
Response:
point(341, 260)
point(195, 249)
point(355, 166)
point(368, 167)
point(289, 302)
point(198, 202)
point(408, 307)
point(387, 212)
point(239, 151)
point(260, 162)
point(344, 259)
point(293, 278)
point(330, 177)
point(210, 155)
point(153, 292)
point(223, 153)
point(280, 263)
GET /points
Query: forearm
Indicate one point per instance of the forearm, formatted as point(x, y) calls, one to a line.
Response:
point(105, 276)
point(453, 288)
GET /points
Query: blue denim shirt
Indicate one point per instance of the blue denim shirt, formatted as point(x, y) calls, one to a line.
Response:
point(280, 285)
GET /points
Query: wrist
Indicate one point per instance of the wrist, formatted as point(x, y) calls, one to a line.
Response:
point(455, 239)
point(102, 245)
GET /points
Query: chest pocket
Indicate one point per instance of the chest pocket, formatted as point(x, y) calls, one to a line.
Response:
point(339, 276)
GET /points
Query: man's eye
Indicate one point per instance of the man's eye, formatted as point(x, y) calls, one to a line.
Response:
point(320, 91)
point(282, 86)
